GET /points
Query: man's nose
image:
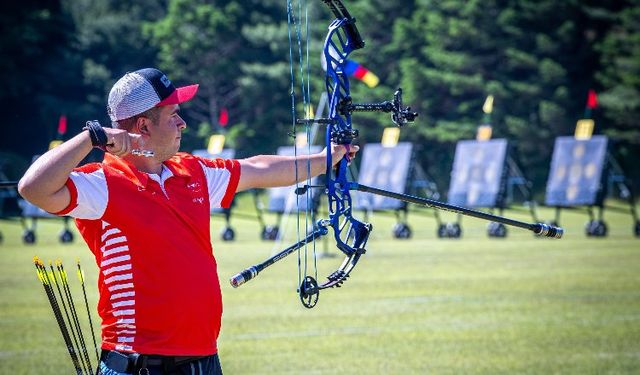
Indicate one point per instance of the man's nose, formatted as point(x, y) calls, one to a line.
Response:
point(181, 123)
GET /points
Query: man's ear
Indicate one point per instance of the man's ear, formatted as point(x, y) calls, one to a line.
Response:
point(142, 125)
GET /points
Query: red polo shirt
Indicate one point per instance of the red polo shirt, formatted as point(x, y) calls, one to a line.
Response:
point(150, 234)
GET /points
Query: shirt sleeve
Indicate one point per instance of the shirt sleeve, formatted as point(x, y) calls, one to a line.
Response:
point(222, 180)
point(89, 195)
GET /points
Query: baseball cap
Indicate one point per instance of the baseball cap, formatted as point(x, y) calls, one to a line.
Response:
point(142, 90)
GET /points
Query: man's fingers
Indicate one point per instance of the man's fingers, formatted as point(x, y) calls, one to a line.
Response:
point(116, 144)
point(123, 143)
point(352, 150)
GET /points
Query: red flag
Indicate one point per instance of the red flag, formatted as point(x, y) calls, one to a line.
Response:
point(62, 125)
point(223, 118)
point(592, 99)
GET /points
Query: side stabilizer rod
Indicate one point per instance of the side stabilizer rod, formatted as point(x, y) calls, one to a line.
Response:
point(251, 272)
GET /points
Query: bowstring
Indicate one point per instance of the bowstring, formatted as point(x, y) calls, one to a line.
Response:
point(291, 20)
point(308, 114)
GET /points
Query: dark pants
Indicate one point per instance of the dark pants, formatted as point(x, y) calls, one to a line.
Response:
point(204, 366)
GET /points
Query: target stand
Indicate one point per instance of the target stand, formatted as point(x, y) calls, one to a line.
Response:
point(285, 200)
point(582, 173)
point(484, 175)
point(9, 208)
point(11, 205)
point(393, 168)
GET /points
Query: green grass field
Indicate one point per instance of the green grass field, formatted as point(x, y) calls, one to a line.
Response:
point(476, 305)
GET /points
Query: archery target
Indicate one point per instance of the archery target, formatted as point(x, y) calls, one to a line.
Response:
point(284, 199)
point(478, 175)
point(384, 168)
point(576, 176)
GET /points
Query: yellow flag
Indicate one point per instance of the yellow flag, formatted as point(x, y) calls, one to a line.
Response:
point(370, 79)
point(216, 144)
point(390, 137)
point(488, 105)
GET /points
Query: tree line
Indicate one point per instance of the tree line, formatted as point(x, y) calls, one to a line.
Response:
point(537, 58)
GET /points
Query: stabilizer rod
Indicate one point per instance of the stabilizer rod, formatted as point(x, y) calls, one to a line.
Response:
point(251, 272)
point(540, 229)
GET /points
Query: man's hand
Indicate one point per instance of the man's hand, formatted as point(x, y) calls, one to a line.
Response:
point(340, 151)
point(120, 142)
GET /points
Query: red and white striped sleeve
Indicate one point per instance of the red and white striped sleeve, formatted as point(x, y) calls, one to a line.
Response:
point(89, 194)
point(222, 180)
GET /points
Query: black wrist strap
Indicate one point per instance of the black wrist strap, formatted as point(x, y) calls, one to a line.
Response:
point(97, 134)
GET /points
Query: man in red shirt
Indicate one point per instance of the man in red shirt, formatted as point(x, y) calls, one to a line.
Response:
point(144, 213)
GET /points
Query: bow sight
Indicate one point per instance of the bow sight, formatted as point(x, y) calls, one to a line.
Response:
point(399, 115)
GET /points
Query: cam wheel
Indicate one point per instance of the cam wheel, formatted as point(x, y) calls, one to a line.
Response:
point(309, 292)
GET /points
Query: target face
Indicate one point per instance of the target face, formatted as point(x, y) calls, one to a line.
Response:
point(576, 174)
point(477, 177)
point(384, 168)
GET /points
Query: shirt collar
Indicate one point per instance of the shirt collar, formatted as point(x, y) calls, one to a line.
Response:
point(170, 168)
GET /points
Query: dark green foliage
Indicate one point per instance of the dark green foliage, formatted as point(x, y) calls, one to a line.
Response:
point(620, 79)
point(39, 74)
point(536, 58)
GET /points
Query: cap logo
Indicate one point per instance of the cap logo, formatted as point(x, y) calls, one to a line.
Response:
point(165, 81)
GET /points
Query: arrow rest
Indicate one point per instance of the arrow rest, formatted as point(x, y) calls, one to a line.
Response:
point(344, 137)
point(302, 190)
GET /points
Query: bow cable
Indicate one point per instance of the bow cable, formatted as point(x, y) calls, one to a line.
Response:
point(306, 93)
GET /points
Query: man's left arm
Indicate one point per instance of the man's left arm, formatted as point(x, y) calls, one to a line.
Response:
point(264, 171)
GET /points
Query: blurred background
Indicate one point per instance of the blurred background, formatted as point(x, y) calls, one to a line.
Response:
point(538, 59)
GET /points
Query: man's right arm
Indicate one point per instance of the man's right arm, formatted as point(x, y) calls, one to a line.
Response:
point(44, 182)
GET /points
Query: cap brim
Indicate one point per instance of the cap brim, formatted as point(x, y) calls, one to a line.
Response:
point(181, 95)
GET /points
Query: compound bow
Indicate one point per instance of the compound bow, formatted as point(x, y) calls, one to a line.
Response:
point(350, 234)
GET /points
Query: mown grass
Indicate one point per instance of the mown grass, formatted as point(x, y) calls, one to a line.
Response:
point(519, 305)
